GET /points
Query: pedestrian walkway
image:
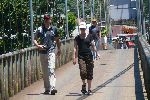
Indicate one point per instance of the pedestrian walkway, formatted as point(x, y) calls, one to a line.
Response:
point(114, 79)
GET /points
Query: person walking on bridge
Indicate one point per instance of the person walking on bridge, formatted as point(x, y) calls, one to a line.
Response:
point(46, 39)
point(95, 31)
point(82, 49)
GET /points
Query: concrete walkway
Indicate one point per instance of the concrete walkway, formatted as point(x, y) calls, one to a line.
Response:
point(114, 79)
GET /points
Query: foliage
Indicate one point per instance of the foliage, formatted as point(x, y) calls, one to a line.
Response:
point(146, 8)
point(61, 32)
point(71, 22)
point(104, 32)
point(15, 20)
point(72, 6)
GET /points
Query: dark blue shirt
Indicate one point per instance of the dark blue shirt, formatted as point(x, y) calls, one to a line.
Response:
point(46, 37)
point(94, 31)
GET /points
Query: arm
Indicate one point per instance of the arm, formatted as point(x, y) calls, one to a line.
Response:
point(35, 39)
point(75, 52)
point(100, 34)
point(36, 42)
point(58, 43)
point(94, 48)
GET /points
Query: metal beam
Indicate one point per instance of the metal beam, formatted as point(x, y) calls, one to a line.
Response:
point(31, 22)
point(66, 10)
point(83, 14)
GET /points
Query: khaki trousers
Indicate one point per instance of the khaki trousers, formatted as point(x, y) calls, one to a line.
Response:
point(48, 67)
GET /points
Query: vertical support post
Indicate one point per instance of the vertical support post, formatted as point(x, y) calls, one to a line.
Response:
point(31, 22)
point(91, 9)
point(149, 23)
point(93, 2)
point(83, 14)
point(100, 8)
point(142, 15)
point(66, 10)
point(78, 14)
point(105, 8)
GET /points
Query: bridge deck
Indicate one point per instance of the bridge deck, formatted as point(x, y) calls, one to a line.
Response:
point(115, 78)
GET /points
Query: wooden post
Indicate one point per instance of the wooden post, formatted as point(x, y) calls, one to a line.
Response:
point(10, 78)
point(29, 67)
point(18, 72)
point(16, 61)
point(32, 66)
point(26, 68)
point(14, 73)
point(35, 66)
point(1, 80)
point(6, 79)
point(22, 70)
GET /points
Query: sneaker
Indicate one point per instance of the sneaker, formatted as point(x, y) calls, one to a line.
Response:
point(47, 92)
point(84, 89)
point(53, 92)
point(89, 92)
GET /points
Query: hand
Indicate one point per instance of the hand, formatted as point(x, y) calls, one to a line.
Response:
point(40, 47)
point(58, 52)
point(74, 61)
point(97, 56)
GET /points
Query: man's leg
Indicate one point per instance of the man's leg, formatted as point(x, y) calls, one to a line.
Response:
point(44, 64)
point(94, 53)
point(51, 68)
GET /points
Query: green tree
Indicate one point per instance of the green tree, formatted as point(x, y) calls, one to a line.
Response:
point(146, 8)
point(71, 22)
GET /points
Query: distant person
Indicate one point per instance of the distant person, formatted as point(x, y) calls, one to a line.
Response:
point(46, 38)
point(82, 50)
point(95, 31)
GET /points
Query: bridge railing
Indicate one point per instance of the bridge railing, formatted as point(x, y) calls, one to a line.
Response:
point(144, 52)
point(21, 68)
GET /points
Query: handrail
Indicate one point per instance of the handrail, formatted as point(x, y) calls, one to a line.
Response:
point(144, 52)
point(21, 68)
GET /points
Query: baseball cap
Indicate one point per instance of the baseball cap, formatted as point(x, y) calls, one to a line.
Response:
point(82, 25)
point(47, 17)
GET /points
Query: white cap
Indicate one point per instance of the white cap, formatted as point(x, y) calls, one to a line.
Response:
point(82, 25)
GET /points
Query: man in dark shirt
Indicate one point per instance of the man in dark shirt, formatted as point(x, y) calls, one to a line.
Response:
point(46, 37)
point(95, 31)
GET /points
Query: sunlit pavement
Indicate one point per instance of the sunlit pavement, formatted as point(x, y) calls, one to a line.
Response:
point(114, 79)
